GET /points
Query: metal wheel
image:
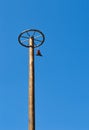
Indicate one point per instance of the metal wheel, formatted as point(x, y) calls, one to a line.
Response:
point(27, 34)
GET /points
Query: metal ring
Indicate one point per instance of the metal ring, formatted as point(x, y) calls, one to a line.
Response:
point(38, 36)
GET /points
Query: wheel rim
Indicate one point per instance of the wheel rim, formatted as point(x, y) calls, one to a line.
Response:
point(27, 34)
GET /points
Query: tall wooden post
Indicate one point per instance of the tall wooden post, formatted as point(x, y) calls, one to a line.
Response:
point(31, 35)
point(31, 100)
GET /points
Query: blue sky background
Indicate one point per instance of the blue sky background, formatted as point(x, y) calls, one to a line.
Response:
point(62, 74)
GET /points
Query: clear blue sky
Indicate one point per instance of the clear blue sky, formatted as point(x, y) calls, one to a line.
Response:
point(61, 75)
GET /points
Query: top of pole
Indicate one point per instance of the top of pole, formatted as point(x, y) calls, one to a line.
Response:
point(37, 35)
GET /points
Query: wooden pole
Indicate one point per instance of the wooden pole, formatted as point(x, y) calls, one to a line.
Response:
point(31, 100)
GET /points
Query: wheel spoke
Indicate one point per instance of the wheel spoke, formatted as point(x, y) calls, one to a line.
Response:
point(28, 34)
point(25, 37)
point(24, 40)
point(38, 36)
point(37, 40)
point(33, 33)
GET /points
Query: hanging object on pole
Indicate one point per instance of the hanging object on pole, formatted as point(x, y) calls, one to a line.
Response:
point(38, 53)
